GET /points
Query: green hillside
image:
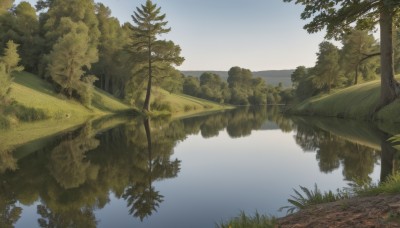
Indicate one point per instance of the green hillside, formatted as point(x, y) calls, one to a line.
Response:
point(30, 91)
point(271, 77)
point(356, 102)
point(181, 104)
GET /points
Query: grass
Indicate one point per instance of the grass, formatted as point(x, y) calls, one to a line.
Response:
point(355, 102)
point(179, 105)
point(246, 221)
point(390, 186)
point(32, 92)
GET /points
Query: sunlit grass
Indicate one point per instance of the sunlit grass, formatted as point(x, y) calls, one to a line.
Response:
point(247, 221)
point(180, 104)
point(357, 102)
point(32, 92)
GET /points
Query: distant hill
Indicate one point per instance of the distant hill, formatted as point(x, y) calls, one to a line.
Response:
point(272, 77)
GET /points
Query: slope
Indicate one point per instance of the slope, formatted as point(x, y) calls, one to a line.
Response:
point(355, 102)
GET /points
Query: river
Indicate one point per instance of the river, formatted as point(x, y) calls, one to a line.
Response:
point(191, 172)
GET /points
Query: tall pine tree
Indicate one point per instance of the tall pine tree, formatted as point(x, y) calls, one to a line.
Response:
point(150, 52)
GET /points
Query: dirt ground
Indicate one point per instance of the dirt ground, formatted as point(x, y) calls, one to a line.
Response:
point(377, 211)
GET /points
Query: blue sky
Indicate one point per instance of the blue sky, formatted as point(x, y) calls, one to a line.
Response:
point(219, 34)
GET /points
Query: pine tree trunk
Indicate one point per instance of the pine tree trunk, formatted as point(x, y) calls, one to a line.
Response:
point(146, 105)
point(388, 83)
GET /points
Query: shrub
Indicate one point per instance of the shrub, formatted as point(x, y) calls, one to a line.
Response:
point(158, 105)
point(25, 113)
point(313, 197)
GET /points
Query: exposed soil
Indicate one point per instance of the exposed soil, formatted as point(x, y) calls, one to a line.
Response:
point(377, 211)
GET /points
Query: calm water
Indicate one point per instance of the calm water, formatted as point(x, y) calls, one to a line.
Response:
point(193, 172)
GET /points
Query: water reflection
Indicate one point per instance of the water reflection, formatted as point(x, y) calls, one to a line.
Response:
point(357, 146)
point(73, 174)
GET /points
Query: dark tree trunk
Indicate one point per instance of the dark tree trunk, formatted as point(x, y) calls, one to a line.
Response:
point(388, 83)
point(146, 105)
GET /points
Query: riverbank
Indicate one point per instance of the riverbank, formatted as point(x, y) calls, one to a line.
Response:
point(375, 211)
point(355, 102)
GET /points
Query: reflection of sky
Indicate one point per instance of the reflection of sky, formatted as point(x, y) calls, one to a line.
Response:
point(221, 176)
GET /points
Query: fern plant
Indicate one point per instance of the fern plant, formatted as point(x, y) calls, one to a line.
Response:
point(312, 197)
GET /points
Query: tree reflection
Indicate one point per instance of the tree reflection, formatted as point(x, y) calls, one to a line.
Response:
point(9, 212)
point(68, 165)
point(72, 218)
point(357, 151)
point(141, 196)
point(7, 160)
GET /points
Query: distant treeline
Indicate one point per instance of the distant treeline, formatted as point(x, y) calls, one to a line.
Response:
point(271, 77)
point(240, 88)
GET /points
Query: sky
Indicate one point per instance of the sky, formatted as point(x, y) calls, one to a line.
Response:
point(219, 34)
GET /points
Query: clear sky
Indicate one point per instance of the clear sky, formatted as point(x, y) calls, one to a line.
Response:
point(219, 34)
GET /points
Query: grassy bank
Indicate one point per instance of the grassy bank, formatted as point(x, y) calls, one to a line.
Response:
point(32, 92)
point(34, 95)
point(179, 105)
point(355, 102)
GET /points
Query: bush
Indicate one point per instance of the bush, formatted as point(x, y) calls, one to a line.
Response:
point(25, 113)
point(160, 106)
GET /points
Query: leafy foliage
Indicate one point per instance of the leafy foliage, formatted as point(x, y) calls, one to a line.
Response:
point(312, 197)
point(70, 55)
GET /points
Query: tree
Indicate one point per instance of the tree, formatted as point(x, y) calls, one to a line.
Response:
point(355, 52)
point(11, 58)
point(299, 74)
point(337, 16)
point(5, 5)
point(327, 68)
point(191, 86)
point(54, 27)
point(112, 41)
point(153, 53)
point(70, 55)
